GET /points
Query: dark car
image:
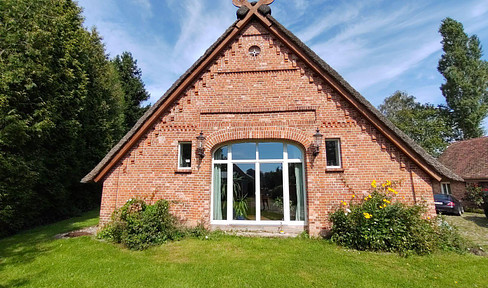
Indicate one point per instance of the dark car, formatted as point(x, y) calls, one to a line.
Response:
point(445, 203)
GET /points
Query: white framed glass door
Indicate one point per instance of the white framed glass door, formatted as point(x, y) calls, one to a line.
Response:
point(258, 183)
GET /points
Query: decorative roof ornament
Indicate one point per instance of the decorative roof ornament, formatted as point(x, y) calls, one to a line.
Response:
point(245, 6)
point(240, 3)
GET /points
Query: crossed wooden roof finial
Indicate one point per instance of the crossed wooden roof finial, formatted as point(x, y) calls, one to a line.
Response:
point(240, 3)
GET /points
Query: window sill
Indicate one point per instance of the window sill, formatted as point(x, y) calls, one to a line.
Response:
point(183, 171)
point(331, 170)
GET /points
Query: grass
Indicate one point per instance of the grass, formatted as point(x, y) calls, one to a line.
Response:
point(35, 259)
point(473, 226)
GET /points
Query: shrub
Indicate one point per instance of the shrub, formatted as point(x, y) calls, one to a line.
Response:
point(475, 195)
point(378, 222)
point(137, 225)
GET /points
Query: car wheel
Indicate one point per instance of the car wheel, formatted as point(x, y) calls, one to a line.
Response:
point(458, 211)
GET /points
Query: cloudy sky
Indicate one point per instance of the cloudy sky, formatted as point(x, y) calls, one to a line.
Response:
point(378, 46)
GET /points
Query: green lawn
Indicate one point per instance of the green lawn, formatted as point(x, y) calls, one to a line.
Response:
point(35, 259)
point(473, 226)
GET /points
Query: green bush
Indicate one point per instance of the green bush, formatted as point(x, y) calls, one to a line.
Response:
point(475, 195)
point(137, 225)
point(380, 223)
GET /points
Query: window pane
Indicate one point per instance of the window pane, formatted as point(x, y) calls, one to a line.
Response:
point(332, 153)
point(271, 191)
point(244, 151)
point(297, 193)
point(244, 192)
point(185, 155)
point(446, 188)
point(221, 153)
point(294, 152)
point(270, 150)
point(220, 192)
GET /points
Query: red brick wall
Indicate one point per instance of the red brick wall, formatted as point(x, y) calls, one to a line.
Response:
point(271, 96)
point(458, 189)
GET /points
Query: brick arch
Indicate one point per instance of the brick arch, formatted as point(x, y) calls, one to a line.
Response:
point(249, 133)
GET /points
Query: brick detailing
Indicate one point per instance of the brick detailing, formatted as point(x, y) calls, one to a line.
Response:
point(272, 96)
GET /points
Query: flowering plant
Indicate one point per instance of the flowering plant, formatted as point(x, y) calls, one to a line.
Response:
point(379, 222)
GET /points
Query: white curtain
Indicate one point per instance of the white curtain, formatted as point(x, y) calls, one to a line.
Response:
point(217, 211)
point(299, 214)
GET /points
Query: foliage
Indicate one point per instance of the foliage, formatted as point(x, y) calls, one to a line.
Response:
point(137, 225)
point(379, 222)
point(475, 194)
point(133, 87)
point(61, 110)
point(426, 124)
point(466, 74)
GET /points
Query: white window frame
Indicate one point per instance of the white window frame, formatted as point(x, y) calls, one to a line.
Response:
point(286, 192)
point(180, 155)
point(448, 184)
point(338, 152)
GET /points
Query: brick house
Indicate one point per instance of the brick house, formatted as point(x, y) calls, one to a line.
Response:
point(469, 159)
point(262, 107)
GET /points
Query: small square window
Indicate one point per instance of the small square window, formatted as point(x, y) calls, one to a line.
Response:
point(184, 155)
point(446, 188)
point(333, 153)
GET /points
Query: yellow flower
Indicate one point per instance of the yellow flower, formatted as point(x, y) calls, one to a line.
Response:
point(391, 190)
point(353, 196)
point(343, 203)
point(388, 183)
point(367, 215)
point(386, 201)
point(369, 196)
point(373, 184)
point(428, 218)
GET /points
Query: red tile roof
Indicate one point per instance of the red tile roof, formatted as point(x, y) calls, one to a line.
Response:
point(468, 159)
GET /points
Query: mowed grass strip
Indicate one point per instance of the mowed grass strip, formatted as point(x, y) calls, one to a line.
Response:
point(473, 226)
point(35, 259)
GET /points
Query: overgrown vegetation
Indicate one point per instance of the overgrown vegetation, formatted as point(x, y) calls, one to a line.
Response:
point(63, 105)
point(138, 225)
point(379, 222)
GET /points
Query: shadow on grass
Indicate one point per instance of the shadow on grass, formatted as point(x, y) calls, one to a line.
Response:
point(481, 220)
point(24, 247)
point(16, 283)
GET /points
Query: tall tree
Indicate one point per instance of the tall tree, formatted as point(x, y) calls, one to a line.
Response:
point(426, 124)
point(60, 111)
point(466, 77)
point(132, 86)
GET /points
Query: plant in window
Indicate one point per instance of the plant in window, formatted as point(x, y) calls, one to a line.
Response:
point(240, 197)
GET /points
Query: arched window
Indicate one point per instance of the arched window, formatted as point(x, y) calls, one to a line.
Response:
point(262, 182)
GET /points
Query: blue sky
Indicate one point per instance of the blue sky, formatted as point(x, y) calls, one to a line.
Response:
point(378, 46)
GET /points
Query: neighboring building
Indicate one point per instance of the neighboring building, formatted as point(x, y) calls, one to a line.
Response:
point(256, 97)
point(468, 159)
